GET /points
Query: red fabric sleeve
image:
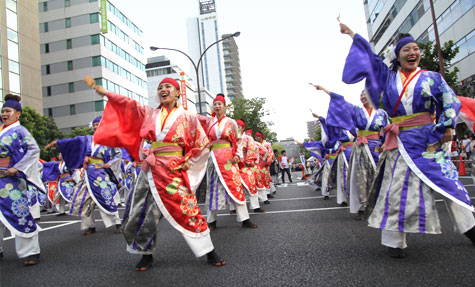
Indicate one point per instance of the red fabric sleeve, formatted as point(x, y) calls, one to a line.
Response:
point(120, 124)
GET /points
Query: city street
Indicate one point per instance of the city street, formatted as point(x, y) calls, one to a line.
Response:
point(301, 241)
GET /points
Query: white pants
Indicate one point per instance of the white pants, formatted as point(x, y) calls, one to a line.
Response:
point(461, 217)
point(262, 193)
point(108, 219)
point(241, 213)
point(24, 246)
point(272, 187)
point(62, 204)
point(253, 203)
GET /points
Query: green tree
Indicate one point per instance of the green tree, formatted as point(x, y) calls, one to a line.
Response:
point(80, 132)
point(430, 61)
point(252, 111)
point(279, 149)
point(43, 129)
point(318, 133)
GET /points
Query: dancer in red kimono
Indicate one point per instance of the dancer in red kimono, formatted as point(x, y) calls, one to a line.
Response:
point(223, 177)
point(171, 171)
point(266, 157)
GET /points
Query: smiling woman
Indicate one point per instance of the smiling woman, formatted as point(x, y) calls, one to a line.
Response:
point(414, 164)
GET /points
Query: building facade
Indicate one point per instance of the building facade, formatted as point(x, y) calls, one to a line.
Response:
point(291, 148)
point(20, 66)
point(86, 37)
point(202, 32)
point(232, 68)
point(312, 127)
point(455, 21)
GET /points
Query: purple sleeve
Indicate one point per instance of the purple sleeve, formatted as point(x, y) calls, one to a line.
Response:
point(316, 148)
point(341, 113)
point(362, 63)
point(50, 171)
point(74, 151)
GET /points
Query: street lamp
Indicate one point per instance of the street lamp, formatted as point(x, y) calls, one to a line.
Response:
point(197, 65)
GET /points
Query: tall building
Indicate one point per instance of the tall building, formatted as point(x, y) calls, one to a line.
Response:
point(232, 68)
point(455, 21)
point(292, 149)
point(202, 32)
point(20, 71)
point(79, 38)
point(312, 127)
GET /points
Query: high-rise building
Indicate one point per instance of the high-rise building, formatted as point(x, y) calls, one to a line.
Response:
point(312, 127)
point(79, 38)
point(232, 68)
point(455, 21)
point(202, 32)
point(20, 54)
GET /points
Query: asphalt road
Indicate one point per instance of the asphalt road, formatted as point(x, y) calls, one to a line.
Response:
point(301, 241)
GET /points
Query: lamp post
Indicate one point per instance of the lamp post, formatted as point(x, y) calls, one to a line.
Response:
point(197, 65)
point(437, 41)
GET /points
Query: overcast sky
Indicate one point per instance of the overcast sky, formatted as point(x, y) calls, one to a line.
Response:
point(283, 45)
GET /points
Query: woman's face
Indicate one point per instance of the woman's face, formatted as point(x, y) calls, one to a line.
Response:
point(363, 98)
point(409, 57)
point(167, 94)
point(219, 108)
point(9, 115)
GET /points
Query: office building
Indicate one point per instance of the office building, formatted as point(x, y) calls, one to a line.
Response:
point(232, 68)
point(312, 127)
point(202, 32)
point(20, 66)
point(79, 38)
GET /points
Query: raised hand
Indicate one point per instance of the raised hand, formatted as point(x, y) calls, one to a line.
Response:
point(346, 30)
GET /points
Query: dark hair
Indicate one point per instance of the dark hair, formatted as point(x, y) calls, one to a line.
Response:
point(282, 152)
point(402, 35)
point(242, 119)
point(275, 151)
point(12, 97)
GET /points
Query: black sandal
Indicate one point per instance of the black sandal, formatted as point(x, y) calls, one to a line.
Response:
point(215, 260)
point(212, 225)
point(248, 224)
point(90, 231)
point(145, 263)
point(32, 260)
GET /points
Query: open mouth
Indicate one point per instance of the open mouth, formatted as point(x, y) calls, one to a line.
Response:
point(412, 60)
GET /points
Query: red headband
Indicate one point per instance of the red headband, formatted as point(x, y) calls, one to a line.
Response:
point(220, 98)
point(171, 81)
point(249, 131)
point(258, 134)
point(241, 123)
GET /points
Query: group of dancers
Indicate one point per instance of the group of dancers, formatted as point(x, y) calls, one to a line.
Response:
point(390, 157)
point(151, 160)
point(154, 159)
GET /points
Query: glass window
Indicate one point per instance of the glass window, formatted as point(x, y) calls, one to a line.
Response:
point(70, 65)
point(93, 18)
point(14, 80)
point(45, 26)
point(12, 20)
point(45, 6)
point(13, 51)
point(71, 87)
point(11, 5)
point(72, 109)
point(95, 39)
point(69, 44)
point(13, 67)
point(99, 105)
point(68, 22)
point(96, 61)
point(48, 91)
point(48, 70)
point(50, 112)
point(47, 48)
point(12, 35)
point(67, 3)
point(98, 81)
point(92, 1)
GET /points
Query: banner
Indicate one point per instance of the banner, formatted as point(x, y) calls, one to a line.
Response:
point(184, 99)
point(104, 16)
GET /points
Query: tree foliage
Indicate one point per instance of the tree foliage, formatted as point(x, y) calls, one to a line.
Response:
point(80, 132)
point(279, 149)
point(43, 129)
point(430, 60)
point(252, 111)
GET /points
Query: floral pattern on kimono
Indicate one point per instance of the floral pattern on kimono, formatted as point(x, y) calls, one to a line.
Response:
point(248, 162)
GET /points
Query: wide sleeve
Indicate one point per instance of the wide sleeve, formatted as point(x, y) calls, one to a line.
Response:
point(315, 148)
point(361, 63)
point(205, 121)
point(237, 139)
point(196, 151)
point(121, 124)
point(74, 151)
point(448, 107)
point(28, 165)
point(467, 112)
point(51, 171)
point(341, 113)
